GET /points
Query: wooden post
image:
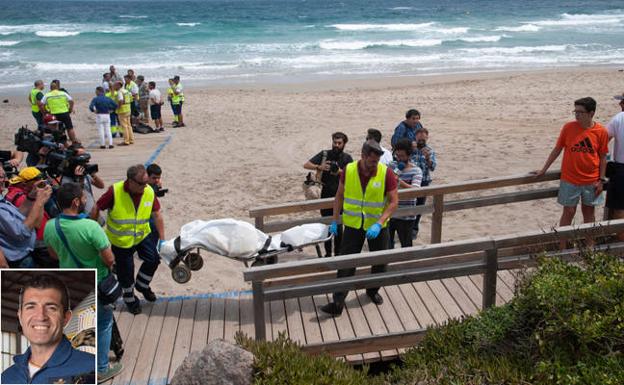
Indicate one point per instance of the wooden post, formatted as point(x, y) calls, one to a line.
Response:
point(436, 218)
point(258, 306)
point(489, 278)
point(259, 221)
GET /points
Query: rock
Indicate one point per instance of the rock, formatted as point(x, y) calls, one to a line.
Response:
point(220, 363)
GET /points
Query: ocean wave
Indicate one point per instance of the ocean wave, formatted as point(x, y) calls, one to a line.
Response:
point(56, 33)
point(481, 39)
point(80, 67)
point(188, 24)
point(358, 45)
point(133, 16)
point(381, 27)
point(522, 28)
point(401, 8)
point(571, 20)
point(8, 43)
point(516, 50)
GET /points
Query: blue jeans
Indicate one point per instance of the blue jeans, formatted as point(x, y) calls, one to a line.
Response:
point(104, 335)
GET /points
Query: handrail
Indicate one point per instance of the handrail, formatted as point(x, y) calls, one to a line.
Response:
point(487, 262)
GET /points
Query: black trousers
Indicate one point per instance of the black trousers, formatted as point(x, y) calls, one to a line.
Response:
point(124, 261)
point(337, 239)
point(352, 242)
point(403, 227)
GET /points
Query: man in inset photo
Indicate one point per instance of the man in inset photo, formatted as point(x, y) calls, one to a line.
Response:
point(43, 312)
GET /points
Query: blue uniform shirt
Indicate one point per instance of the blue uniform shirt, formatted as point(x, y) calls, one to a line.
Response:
point(102, 104)
point(403, 131)
point(65, 366)
point(16, 240)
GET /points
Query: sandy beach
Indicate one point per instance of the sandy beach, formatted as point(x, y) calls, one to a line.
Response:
point(245, 146)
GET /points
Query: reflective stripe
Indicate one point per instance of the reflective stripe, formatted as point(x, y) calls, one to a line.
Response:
point(349, 212)
point(374, 204)
point(125, 233)
point(368, 215)
point(146, 277)
point(127, 289)
point(353, 201)
point(129, 221)
point(114, 288)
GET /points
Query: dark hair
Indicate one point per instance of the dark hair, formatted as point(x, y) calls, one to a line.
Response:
point(152, 84)
point(423, 130)
point(154, 169)
point(46, 281)
point(127, 76)
point(411, 113)
point(371, 147)
point(58, 82)
point(67, 193)
point(404, 144)
point(135, 170)
point(99, 89)
point(374, 134)
point(589, 103)
point(105, 73)
point(340, 135)
point(176, 78)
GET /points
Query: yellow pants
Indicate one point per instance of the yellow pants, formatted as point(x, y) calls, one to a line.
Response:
point(124, 121)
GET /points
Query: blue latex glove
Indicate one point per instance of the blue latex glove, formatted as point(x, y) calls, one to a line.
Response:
point(373, 231)
point(160, 243)
point(333, 228)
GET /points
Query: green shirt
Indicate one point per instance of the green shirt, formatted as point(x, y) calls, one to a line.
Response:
point(86, 239)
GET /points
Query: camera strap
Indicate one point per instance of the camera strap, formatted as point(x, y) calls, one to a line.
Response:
point(59, 231)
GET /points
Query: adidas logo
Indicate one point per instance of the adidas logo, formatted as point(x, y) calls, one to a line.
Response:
point(583, 146)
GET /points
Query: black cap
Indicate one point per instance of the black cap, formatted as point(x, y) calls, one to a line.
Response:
point(372, 146)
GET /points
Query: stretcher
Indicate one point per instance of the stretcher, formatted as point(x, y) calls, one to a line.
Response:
point(237, 240)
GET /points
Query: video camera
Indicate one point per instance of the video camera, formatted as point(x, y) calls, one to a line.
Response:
point(159, 191)
point(9, 169)
point(32, 141)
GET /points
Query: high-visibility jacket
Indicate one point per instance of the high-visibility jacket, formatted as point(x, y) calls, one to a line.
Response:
point(33, 99)
point(125, 225)
point(367, 205)
point(57, 102)
point(181, 91)
point(123, 108)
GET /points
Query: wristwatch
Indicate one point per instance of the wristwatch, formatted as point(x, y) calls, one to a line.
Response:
point(604, 180)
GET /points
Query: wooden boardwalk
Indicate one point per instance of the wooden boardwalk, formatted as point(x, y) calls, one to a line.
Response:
point(158, 339)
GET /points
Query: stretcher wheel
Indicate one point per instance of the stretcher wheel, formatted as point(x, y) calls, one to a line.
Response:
point(194, 261)
point(181, 273)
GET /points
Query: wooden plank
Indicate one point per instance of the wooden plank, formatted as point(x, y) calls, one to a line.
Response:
point(436, 218)
point(471, 290)
point(217, 319)
point(278, 318)
point(370, 343)
point(162, 360)
point(431, 302)
point(201, 325)
point(268, 322)
point(232, 318)
point(417, 306)
point(310, 320)
point(508, 278)
point(389, 314)
point(258, 307)
point(446, 299)
point(503, 290)
point(358, 321)
point(477, 280)
point(148, 349)
point(246, 316)
point(375, 322)
point(334, 329)
point(133, 343)
point(294, 322)
point(460, 297)
point(399, 304)
point(490, 278)
point(124, 323)
point(184, 334)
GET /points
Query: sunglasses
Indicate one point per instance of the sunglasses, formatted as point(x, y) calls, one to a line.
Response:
point(141, 184)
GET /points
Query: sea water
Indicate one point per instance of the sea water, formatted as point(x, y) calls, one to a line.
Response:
point(243, 41)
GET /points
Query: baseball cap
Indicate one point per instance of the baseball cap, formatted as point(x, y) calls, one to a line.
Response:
point(619, 97)
point(373, 146)
point(26, 175)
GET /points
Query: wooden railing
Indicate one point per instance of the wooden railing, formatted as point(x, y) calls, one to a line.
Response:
point(438, 207)
point(414, 264)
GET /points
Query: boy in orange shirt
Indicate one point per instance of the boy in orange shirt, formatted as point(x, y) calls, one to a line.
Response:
point(584, 145)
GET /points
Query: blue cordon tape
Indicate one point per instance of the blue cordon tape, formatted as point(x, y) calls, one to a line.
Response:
point(227, 294)
point(156, 152)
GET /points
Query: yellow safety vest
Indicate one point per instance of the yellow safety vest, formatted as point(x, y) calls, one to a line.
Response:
point(181, 94)
point(125, 227)
point(369, 204)
point(176, 99)
point(125, 107)
point(57, 102)
point(130, 86)
point(33, 99)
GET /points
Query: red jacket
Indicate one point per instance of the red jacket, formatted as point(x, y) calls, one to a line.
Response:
point(16, 195)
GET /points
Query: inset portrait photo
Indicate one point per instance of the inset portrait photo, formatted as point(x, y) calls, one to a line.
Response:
point(48, 326)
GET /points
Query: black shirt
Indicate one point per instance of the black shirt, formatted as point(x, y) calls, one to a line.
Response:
point(331, 180)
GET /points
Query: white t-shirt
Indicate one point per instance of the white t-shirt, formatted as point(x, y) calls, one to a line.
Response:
point(616, 130)
point(386, 158)
point(154, 96)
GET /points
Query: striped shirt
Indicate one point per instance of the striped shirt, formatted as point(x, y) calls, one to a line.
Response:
point(412, 176)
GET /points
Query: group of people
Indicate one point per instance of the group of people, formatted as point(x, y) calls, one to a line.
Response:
point(121, 103)
point(366, 193)
point(40, 227)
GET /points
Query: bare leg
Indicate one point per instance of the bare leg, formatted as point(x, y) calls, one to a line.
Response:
point(588, 217)
point(566, 219)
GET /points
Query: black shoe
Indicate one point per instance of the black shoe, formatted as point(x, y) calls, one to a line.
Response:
point(111, 146)
point(148, 294)
point(102, 147)
point(376, 298)
point(332, 309)
point(134, 307)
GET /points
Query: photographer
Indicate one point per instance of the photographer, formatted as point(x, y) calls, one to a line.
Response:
point(154, 174)
point(18, 226)
point(335, 160)
point(85, 175)
point(19, 193)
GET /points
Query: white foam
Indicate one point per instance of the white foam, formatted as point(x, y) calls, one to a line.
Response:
point(357, 45)
point(481, 39)
point(381, 27)
point(56, 33)
point(568, 20)
point(401, 8)
point(133, 16)
point(8, 43)
point(522, 28)
point(516, 50)
point(188, 24)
